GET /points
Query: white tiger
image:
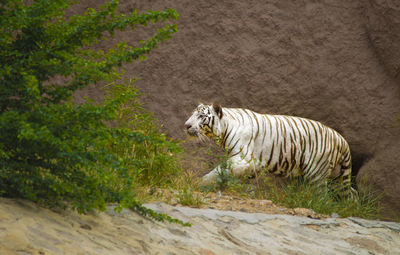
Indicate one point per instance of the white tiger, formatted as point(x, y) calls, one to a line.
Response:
point(283, 145)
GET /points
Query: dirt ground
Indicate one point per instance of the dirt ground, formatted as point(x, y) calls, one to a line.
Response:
point(230, 202)
point(236, 203)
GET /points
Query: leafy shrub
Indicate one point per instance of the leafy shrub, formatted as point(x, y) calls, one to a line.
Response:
point(152, 153)
point(52, 150)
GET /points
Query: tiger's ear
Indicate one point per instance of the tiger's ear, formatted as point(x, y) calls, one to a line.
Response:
point(218, 110)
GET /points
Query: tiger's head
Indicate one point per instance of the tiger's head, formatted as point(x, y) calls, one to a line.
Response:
point(205, 121)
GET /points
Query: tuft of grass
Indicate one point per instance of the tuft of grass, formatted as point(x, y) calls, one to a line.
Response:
point(182, 189)
point(190, 198)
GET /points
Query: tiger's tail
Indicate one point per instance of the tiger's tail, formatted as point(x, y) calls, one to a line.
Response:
point(346, 177)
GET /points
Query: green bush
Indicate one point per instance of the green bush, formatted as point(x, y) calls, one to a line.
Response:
point(56, 152)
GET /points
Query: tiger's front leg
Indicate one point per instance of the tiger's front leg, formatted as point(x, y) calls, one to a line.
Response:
point(235, 165)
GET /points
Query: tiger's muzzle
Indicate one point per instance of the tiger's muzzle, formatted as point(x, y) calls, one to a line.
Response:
point(190, 130)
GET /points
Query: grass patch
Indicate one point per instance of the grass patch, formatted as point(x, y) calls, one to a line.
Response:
point(179, 189)
point(322, 199)
point(190, 198)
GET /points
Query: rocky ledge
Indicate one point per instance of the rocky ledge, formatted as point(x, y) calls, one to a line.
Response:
point(26, 228)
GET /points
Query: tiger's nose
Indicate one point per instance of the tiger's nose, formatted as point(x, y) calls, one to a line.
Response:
point(187, 126)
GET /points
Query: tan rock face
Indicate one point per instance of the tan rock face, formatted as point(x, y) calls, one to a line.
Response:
point(28, 229)
point(333, 61)
point(383, 28)
point(383, 25)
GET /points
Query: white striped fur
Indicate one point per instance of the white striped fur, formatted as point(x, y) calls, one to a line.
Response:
point(283, 145)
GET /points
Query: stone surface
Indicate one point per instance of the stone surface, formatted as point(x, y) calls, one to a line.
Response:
point(383, 25)
point(333, 61)
point(28, 229)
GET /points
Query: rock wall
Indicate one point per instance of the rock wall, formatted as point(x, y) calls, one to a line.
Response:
point(334, 61)
point(28, 229)
point(383, 25)
point(383, 170)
